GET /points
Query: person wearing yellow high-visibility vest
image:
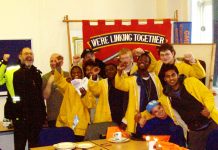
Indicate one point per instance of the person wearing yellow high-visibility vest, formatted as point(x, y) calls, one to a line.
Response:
point(6, 77)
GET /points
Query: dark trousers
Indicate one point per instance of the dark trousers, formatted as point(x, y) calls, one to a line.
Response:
point(24, 131)
point(51, 123)
point(197, 139)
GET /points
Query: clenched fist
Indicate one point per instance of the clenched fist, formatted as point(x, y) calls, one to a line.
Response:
point(6, 57)
point(76, 59)
point(190, 58)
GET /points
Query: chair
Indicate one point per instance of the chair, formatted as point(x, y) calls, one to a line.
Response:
point(212, 143)
point(203, 64)
point(50, 136)
point(97, 131)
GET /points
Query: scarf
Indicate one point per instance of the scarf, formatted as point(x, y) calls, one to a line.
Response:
point(143, 94)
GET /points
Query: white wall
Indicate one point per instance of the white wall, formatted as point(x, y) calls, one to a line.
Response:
point(41, 21)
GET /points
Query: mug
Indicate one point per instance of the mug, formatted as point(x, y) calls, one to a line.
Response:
point(117, 135)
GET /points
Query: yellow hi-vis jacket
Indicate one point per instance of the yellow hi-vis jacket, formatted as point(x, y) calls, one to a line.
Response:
point(100, 89)
point(199, 91)
point(6, 77)
point(73, 105)
point(193, 70)
point(129, 84)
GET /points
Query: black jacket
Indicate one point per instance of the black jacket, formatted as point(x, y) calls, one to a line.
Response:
point(28, 86)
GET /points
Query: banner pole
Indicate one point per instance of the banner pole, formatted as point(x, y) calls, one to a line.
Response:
point(176, 15)
point(68, 37)
point(123, 20)
point(107, 20)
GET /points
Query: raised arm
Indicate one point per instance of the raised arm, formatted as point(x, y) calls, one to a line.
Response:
point(153, 62)
point(94, 84)
point(121, 81)
point(47, 86)
point(196, 69)
point(3, 68)
point(60, 81)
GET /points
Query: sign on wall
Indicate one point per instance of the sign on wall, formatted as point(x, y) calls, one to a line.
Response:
point(182, 32)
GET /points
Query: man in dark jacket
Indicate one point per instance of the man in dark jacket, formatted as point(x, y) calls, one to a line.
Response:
point(29, 102)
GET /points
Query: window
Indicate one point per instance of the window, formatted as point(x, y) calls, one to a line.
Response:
point(201, 16)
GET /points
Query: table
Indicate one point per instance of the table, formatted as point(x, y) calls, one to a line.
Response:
point(130, 145)
point(97, 147)
point(106, 145)
point(6, 138)
point(3, 129)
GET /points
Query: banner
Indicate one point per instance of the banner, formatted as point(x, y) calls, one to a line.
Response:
point(182, 32)
point(107, 40)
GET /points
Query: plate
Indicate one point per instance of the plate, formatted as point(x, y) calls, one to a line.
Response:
point(65, 146)
point(123, 139)
point(85, 145)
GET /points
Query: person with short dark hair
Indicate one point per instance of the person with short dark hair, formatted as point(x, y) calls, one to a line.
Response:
point(161, 124)
point(142, 87)
point(87, 68)
point(194, 103)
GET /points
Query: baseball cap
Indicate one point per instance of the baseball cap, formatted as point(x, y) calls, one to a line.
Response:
point(151, 105)
point(86, 51)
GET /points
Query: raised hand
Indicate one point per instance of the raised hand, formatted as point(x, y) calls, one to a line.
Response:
point(82, 91)
point(123, 126)
point(190, 58)
point(121, 67)
point(59, 63)
point(6, 57)
point(95, 70)
point(142, 122)
point(205, 112)
point(138, 51)
point(76, 59)
point(137, 116)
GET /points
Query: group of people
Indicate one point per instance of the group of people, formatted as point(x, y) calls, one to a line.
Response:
point(140, 94)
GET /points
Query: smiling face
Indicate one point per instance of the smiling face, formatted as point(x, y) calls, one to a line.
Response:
point(158, 111)
point(110, 71)
point(167, 57)
point(26, 57)
point(88, 71)
point(126, 58)
point(54, 59)
point(171, 78)
point(143, 62)
point(76, 73)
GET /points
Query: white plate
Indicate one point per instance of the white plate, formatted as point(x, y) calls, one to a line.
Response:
point(85, 145)
point(65, 146)
point(123, 139)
